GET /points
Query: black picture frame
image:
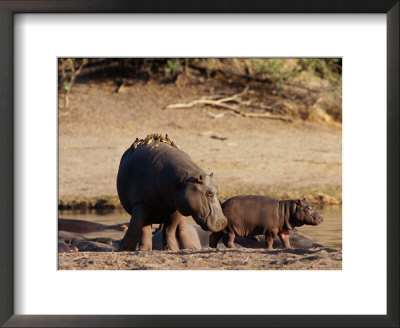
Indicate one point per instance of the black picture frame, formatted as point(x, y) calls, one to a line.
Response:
point(7, 11)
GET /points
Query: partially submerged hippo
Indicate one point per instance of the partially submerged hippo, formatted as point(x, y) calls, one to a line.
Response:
point(297, 240)
point(80, 226)
point(73, 242)
point(159, 183)
point(261, 215)
point(63, 247)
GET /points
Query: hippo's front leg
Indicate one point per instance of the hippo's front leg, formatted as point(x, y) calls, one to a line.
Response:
point(146, 243)
point(269, 238)
point(214, 239)
point(284, 237)
point(132, 235)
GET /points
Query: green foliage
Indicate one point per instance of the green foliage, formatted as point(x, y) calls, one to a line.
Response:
point(325, 68)
point(66, 85)
point(273, 69)
point(172, 66)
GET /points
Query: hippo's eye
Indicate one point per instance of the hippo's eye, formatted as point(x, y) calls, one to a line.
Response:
point(210, 194)
point(309, 210)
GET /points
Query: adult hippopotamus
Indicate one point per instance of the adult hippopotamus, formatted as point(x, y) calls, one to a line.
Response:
point(261, 215)
point(159, 183)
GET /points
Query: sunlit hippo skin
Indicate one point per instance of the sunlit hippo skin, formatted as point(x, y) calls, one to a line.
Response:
point(159, 183)
point(93, 246)
point(187, 237)
point(63, 247)
point(250, 215)
point(80, 226)
point(74, 242)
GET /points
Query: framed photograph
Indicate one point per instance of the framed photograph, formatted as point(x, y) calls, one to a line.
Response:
point(286, 99)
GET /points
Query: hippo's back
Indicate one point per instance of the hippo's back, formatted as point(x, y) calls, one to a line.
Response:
point(250, 214)
point(247, 202)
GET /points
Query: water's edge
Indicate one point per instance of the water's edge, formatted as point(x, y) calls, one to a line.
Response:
point(329, 233)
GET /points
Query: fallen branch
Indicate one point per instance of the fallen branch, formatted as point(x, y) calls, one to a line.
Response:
point(193, 103)
point(221, 104)
point(216, 116)
point(266, 115)
point(234, 97)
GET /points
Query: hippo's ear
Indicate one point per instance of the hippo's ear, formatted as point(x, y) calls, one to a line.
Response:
point(299, 202)
point(211, 174)
point(304, 199)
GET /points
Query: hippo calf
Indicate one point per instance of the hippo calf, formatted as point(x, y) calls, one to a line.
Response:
point(261, 215)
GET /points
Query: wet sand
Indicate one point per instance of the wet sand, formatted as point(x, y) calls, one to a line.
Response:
point(306, 254)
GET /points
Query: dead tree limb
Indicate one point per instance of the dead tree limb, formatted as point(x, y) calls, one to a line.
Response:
point(214, 103)
point(75, 73)
point(266, 115)
point(221, 104)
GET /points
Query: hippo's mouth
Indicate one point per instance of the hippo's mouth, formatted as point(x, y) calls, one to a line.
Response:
point(202, 220)
point(203, 223)
point(207, 225)
point(211, 221)
point(318, 220)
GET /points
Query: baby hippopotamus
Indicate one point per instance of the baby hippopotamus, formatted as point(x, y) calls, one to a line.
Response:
point(261, 215)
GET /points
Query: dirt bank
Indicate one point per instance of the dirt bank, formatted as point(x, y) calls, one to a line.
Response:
point(247, 155)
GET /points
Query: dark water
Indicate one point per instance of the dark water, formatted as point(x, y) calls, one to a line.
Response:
point(328, 233)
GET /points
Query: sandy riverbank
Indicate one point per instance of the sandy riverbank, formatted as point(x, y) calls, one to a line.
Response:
point(206, 259)
point(247, 155)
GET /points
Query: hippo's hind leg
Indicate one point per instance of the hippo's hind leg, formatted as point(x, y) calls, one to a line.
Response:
point(146, 238)
point(269, 238)
point(284, 237)
point(132, 235)
point(214, 239)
